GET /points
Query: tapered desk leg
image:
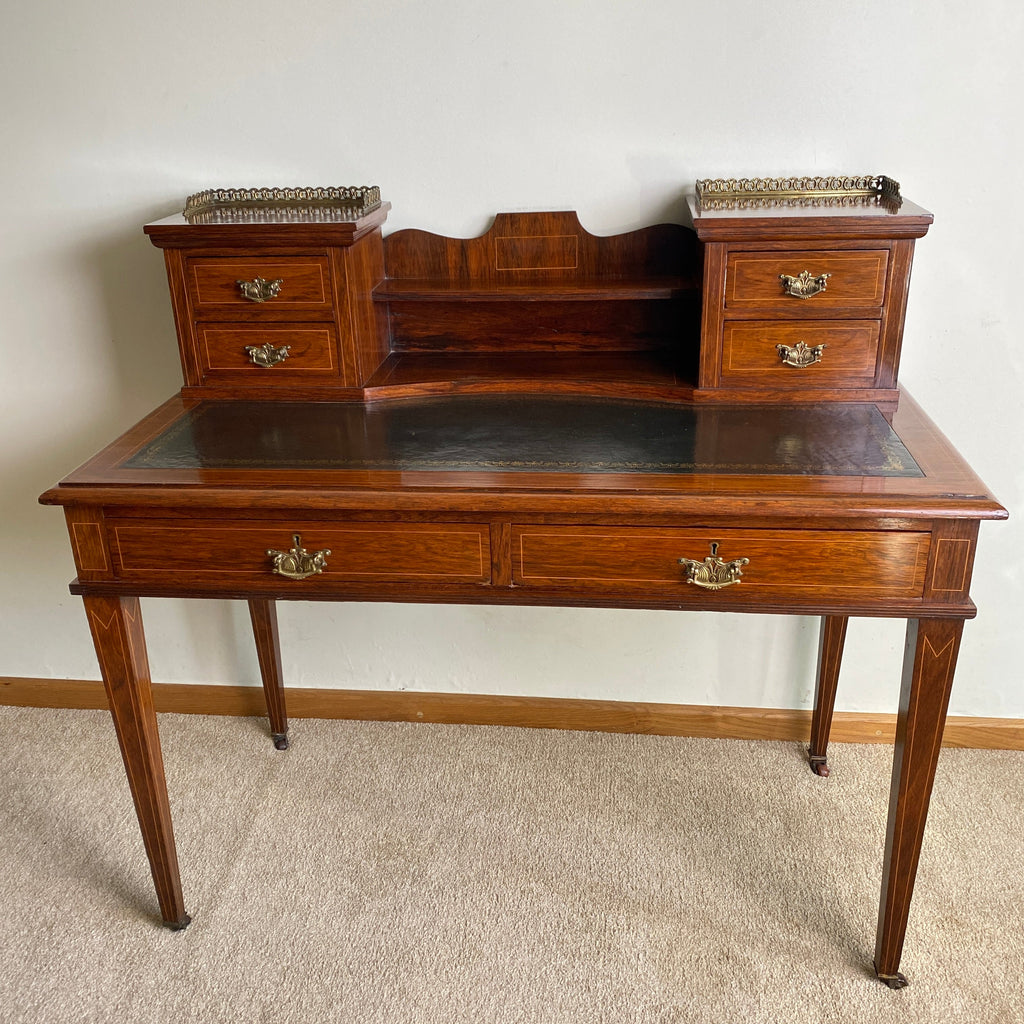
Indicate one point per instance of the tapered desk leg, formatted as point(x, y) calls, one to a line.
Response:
point(928, 665)
point(268, 648)
point(116, 624)
point(830, 657)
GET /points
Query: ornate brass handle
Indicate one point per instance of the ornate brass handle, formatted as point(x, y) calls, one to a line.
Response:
point(259, 289)
point(803, 286)
point(299, 564)
point(266, 355)
point(800, 354)
point(713, 573)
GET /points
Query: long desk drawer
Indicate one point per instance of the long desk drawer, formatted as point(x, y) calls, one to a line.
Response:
point(780, 563)
point(225, 554)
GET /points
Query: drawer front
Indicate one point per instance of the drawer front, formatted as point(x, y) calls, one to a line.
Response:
point(225, 554)
point(751, 355)
point(857, 280)
point(305, 284)
point(798, 565)
point(280, 353)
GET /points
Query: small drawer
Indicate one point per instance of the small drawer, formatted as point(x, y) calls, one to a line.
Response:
point(293, 284)
point(798, 565)
point(234, 553)
point(268, 354)
point(832, 353)
point(856, 280)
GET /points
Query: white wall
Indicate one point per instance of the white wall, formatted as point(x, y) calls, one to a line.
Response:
point(113, 111)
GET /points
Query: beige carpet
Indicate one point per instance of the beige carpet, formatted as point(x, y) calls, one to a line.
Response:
point(419, 873)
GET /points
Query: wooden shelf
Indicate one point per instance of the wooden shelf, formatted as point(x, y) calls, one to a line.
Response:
point(582, 290)
point(638, 374)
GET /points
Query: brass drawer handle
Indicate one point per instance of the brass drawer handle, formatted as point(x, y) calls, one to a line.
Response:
point(298, 563)
point(266, 355)
point(800, 354)
point(803, 286)
point(259, 289)
point(713, 573)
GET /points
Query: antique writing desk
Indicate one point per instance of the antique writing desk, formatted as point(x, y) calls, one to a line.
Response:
point(661, 419)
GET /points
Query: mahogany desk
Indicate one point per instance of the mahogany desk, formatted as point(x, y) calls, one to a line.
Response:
point(831, 510)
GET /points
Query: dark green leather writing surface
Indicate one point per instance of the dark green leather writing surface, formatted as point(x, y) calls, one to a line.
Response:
point(532, 434)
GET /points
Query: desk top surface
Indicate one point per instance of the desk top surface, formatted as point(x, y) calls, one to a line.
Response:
point(476, 453)
point(530, 434)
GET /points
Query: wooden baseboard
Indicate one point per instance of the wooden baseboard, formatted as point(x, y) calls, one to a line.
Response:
point(527, 712)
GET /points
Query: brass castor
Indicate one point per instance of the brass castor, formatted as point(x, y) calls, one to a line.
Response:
point(894, 981)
